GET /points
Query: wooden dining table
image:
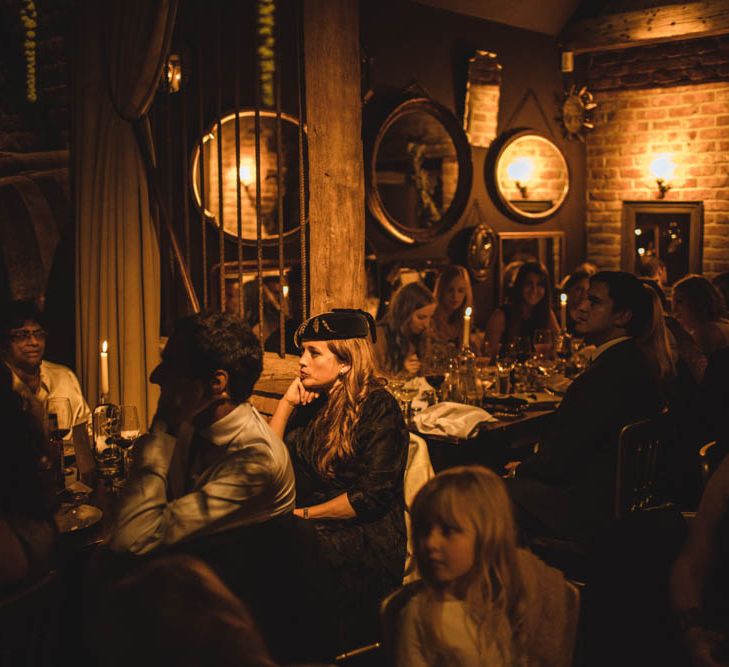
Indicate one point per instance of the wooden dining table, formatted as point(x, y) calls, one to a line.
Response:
point(495, 444)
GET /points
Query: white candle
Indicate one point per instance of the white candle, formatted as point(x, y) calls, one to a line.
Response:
point(104, 369)
point(467, 327)
point(563, 311)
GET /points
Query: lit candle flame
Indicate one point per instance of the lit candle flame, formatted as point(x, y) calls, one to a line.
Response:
point(469, 310)
point(104, 346)
point(563, 297)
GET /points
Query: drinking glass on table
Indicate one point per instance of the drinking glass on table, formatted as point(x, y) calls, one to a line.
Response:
point(484, 374)
point(505, 361)
point(543, 343)
point(128, 433)
point(60, 421)
point(436, 371)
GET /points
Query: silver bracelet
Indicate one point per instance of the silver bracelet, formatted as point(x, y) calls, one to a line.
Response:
point(306, 512)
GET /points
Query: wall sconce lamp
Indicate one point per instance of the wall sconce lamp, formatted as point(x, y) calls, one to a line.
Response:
point(521, 170)
point(247, 174)
point(662, 169)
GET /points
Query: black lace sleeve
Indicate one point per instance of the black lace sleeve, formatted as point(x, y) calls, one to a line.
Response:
point(381, 446)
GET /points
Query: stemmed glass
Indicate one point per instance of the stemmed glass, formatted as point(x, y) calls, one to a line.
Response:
point(505, 362)
point(58, 413)
point(436, 371)
point(128, 433)
point(60, 422)
point(543, 343)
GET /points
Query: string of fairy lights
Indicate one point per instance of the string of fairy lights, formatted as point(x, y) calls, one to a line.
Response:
point(29, 19)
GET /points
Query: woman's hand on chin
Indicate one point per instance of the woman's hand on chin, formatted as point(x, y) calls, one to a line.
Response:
point(297, 394)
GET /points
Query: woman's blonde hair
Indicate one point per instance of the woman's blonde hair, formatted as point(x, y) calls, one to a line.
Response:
point(655, 341)
point(405, 302)
point(333, 427)
point(493, 590)
point(447, 275)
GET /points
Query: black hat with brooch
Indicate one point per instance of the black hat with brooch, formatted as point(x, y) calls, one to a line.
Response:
point(338, 324)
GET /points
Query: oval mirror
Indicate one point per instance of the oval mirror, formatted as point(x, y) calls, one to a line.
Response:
point(217, 168)
point(419, 171)
point(480, 253)
point(527, 176)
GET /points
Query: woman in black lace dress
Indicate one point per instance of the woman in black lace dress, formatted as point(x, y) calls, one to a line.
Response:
point(348, 443)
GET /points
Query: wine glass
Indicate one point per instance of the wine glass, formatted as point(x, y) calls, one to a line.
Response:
point(128, 425)
point(505, 362)
point(522, 347)
point(543, 343)
point(437, 369)
point(484, 374)
point(128, 433)
point(59, 416)
point(59, 421)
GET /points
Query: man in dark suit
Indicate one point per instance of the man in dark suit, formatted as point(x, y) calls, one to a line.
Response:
point(566, 489)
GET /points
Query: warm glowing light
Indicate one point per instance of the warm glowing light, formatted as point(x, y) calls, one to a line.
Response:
point(105, 347)
point(521, 169)
point(246, 171)
point(641, 251)
point(469, 310)
point(638, 231)
point(285, 291)
point(563, 297)
point(663, 167)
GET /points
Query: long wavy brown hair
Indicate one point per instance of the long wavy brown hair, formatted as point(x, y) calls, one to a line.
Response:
point(493, 591)
point(333, 427)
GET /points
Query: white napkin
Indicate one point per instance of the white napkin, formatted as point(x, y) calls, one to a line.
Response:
point(420, 384)
point(454, 419)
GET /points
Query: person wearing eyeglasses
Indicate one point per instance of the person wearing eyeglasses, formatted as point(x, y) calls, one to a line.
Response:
point(22, 347)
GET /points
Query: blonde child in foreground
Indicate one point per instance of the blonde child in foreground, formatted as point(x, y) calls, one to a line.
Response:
point(482, 601)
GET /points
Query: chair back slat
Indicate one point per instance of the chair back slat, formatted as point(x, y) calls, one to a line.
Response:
point(640, 451)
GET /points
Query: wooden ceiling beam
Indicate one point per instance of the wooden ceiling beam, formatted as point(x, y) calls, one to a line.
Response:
point(647, 26)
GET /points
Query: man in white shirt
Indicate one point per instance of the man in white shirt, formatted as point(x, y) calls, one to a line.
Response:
point(210, 463)
point(23, 344)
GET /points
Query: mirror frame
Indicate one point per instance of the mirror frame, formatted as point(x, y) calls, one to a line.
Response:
point(507, 236)
point(194, 186)
point(496, 151)
point(480, 269)
point(465, 173)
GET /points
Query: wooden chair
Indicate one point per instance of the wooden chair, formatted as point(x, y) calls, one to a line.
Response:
point(29, 624)
point(640, 451)
point(638, 468)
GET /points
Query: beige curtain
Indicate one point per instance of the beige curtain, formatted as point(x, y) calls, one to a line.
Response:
point(121, 49)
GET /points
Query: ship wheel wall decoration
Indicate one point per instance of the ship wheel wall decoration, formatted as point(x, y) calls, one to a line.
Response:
point(575, 112)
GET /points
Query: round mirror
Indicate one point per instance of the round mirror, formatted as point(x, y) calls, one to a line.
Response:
point(219, 167)
point(419, 171)
point(527, 176)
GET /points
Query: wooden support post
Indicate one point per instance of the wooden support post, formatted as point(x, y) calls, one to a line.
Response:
point(336, 174)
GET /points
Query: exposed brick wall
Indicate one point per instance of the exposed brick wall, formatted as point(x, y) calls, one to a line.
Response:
point(44, 125)
point(633, 126)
